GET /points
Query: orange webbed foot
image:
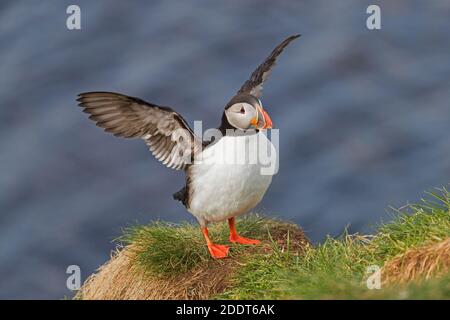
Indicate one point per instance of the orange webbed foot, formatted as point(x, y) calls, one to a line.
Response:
point(218, 251)
point(235, 237)
point(242, 240)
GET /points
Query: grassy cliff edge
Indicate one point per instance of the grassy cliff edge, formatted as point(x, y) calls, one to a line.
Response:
point(411, 255)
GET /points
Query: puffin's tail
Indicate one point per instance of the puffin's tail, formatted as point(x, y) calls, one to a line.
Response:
point(180, 195)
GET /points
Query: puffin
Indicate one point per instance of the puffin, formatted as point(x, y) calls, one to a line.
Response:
point(223, 179)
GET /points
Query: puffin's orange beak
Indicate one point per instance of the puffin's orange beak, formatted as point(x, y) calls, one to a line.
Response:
point(262, 119)
point(268, 121)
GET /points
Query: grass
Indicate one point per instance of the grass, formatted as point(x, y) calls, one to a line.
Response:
point(172, 249)
point(285, 266)
point(337, 269)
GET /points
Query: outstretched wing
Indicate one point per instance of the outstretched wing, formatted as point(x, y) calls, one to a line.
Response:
point(165, 132)
point(254, 85)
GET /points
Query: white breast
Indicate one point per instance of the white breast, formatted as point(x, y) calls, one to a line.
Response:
point(232, 177)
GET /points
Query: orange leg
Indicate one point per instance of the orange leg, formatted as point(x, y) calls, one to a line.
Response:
point(234, 237)
point(217, 251)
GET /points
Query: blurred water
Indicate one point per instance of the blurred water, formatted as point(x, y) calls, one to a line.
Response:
point(363, 117)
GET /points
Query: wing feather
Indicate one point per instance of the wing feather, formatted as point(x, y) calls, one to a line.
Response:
point(254, 85)
point(160, 127)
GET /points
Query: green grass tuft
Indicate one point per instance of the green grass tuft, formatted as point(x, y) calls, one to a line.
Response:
point(337, 268)
point(428, 221)
point(170, 249)
point(163, 248)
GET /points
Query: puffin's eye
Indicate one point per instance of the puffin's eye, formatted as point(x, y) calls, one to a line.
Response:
point(242, 110)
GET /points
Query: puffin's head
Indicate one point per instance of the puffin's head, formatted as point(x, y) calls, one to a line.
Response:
point(245, 112)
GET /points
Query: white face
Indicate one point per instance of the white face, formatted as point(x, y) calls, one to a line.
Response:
point(240, 115)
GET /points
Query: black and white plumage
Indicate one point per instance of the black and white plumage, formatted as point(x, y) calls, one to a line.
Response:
point(254, 85)
point(165, 132)
point(215, 190)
